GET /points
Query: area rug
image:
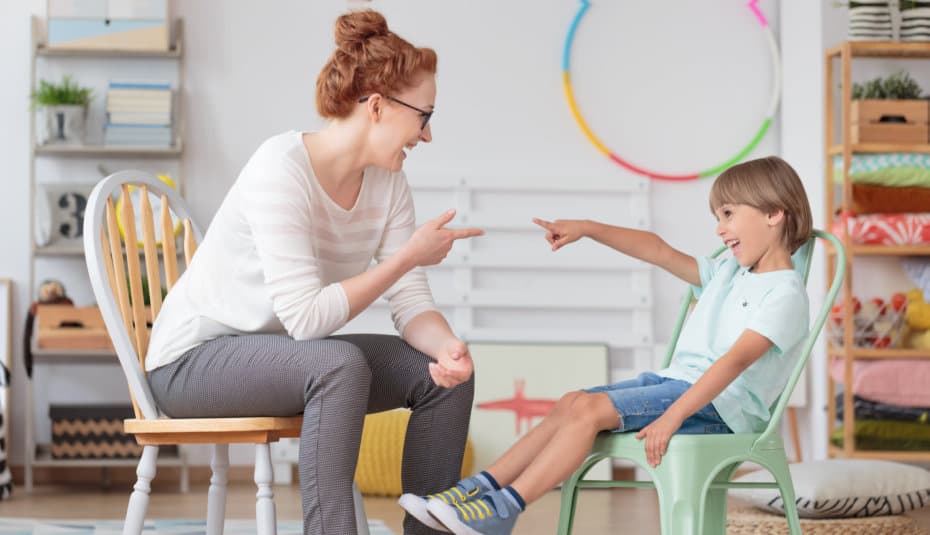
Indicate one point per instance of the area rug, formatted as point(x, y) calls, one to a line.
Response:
point(27, 526)
point(752, 521)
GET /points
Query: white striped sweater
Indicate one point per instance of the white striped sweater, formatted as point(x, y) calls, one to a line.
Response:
point(273, 258)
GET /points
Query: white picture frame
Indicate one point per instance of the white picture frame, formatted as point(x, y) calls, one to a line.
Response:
point(516, 384)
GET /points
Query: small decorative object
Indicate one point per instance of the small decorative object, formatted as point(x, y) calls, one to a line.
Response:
point(60, 215)
point(99, 25)
point(877, 324)
point(915, 20)
point(51, 292)
point(870, 20)
point(889, 110)
point(65, 107)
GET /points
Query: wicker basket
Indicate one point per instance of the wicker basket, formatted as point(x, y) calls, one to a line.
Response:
point(744, 520)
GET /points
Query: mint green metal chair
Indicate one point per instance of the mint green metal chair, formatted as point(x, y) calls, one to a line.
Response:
point(694, 475)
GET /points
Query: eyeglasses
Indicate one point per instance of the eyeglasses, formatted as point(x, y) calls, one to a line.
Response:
point(424, 114)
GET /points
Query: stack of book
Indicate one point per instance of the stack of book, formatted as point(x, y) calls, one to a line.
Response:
point(138, 114)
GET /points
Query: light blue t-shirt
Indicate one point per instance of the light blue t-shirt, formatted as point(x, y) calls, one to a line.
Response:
point(732, 299)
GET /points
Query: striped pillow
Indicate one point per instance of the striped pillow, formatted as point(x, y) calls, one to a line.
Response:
point(843, 488)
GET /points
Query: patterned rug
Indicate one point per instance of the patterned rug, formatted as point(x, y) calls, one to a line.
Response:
point(28, 526)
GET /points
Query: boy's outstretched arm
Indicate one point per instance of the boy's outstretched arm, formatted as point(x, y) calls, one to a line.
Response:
point(749, 347)
point(644, 245)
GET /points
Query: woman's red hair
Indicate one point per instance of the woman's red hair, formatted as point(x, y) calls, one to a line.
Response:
point(369, 58)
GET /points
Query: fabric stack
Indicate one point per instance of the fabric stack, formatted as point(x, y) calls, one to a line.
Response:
point(890, 199)
point(138, 114)
point(915, 20)
point(886, 426)
point(870, 20)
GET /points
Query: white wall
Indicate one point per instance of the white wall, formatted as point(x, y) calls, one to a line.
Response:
point(677, 86)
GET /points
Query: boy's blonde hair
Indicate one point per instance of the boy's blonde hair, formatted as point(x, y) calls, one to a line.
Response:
point(768, 185)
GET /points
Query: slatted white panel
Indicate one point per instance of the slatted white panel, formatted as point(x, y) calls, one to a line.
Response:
point(508, 286)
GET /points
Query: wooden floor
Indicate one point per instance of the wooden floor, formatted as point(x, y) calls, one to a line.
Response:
point(600, 511)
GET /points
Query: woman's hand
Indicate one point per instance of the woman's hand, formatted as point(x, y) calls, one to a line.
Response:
point(453, 364)
point(657, 435)
point(561, 232)
point(431, 242)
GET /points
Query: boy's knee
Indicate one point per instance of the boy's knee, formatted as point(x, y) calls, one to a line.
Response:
point(593, 410)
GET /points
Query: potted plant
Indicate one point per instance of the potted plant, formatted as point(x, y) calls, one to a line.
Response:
point(889, 110)
point(65, 109)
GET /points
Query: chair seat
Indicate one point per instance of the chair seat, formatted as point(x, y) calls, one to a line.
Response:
point(257, 430)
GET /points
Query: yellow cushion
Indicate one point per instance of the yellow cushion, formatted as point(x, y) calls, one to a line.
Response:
point(379, 458)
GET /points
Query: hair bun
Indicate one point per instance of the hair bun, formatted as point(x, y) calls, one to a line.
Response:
point(353, 29)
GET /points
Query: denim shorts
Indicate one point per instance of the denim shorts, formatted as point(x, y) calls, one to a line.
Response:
point(642, 400)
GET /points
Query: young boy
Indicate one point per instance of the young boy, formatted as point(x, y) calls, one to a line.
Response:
point(732, 360)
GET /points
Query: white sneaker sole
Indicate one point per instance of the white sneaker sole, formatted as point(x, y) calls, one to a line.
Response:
point(416, 506)
point(446, 514)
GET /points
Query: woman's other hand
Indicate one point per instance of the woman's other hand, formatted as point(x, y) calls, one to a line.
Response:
point(430, 244)
point(561, 232)
point(453, 364)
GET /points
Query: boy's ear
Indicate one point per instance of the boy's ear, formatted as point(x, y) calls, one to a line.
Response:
point(776, 217)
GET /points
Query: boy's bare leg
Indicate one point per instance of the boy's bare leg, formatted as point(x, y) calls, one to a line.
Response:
point(509, 465)
point(568, 447)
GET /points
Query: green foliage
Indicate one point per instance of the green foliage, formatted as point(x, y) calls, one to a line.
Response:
point(67, 92)
point(898, 86)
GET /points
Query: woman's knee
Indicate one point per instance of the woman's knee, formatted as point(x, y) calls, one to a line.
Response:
point(347, 363)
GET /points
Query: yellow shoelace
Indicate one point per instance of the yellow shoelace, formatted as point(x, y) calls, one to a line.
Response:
point(454, 496)
point(474, 510)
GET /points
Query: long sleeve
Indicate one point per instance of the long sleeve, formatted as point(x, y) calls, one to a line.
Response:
point(411, 294)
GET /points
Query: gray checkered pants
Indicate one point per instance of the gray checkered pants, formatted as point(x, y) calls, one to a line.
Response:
point(334, 382)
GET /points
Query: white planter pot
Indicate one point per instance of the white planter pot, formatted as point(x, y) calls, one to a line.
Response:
point(65, 124)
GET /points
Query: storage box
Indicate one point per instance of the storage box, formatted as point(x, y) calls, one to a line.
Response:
point(890, 121)
point(91, 432)
point(69, 327)
point(98, 24)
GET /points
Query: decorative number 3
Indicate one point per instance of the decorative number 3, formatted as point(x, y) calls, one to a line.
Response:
point(74, 204)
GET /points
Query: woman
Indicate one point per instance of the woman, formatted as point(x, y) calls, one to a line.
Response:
point(287, 261)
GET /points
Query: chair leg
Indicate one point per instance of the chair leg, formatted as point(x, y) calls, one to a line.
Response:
point(139, 500)
point(779, 469)
point(216, 497)
point(715, 504)
point(264, 504)
point(570, 494)
point(361, 520)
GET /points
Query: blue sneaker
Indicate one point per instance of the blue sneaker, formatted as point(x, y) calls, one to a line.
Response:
point(491, 514)
point(466, 490)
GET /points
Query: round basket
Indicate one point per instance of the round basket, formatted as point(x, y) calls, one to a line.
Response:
point(751, 521)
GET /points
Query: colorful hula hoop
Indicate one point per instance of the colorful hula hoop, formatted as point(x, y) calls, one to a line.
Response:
point(713, 171)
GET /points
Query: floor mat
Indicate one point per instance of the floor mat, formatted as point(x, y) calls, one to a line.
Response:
point(28, 526)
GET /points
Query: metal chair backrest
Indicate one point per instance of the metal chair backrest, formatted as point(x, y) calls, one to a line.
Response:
point(113, 257)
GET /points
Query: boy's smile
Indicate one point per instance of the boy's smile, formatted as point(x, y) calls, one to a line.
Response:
point(753, 237)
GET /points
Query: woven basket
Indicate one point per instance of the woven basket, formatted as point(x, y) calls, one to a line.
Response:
point(379, 458)
point(751, 521)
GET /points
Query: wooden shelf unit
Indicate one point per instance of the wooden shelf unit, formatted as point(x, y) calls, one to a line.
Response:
point(844, 54)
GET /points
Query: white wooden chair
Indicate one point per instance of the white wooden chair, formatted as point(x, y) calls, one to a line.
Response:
point(111, 261)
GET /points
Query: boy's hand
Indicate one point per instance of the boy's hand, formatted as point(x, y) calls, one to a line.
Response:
point(657, 435)
point(453, 364)
point(561, 232)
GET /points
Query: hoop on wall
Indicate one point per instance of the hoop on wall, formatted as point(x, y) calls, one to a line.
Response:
point(713, 171)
